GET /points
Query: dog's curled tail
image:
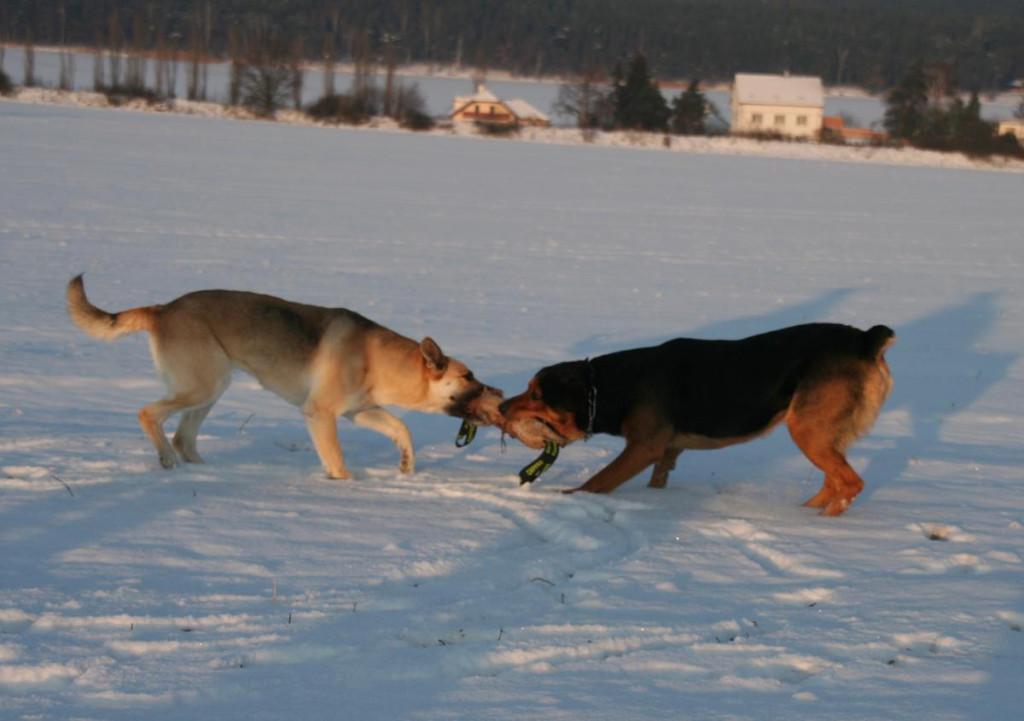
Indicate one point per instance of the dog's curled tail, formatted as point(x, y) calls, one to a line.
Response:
point(101, 324)
point(877, 339)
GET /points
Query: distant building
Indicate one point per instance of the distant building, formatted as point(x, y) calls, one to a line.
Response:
point(485, 107)
point(832, 125)
point(790, 105)
point(1013, 126)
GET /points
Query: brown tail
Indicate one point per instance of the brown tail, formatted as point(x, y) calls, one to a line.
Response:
point(101, 324)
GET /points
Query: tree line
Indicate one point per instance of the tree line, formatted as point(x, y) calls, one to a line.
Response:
point(869, 43)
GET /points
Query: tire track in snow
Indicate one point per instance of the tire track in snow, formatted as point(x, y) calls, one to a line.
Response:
point(757, 547)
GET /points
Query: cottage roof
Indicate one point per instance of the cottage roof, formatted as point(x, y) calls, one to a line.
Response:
point(798, 90)
point(524, 111)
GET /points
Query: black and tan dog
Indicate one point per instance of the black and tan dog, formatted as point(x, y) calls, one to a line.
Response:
point(327, 361)
point(826, 381)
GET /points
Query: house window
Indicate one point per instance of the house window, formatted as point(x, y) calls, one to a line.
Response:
point(780, 119)
point(756, 119)
point(801, 120)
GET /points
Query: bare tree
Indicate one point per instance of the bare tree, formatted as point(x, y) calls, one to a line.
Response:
point(330, 38)
point(3, 35)
point(295, 66)
point(30, 60)
point(67, 60)
point(162, 72)
point(268, 77)
point(584, 99)
point(199, 22)
point(98, 81)
point(114, 42)
point(410, 109)
point(364, 91)
point(389, 78)
point(238, 53)
point(135, 63)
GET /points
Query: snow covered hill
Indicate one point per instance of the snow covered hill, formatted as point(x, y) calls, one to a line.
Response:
point(253, 588)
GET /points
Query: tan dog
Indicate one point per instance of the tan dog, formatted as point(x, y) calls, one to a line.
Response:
point(827, 382)
point(327, 361)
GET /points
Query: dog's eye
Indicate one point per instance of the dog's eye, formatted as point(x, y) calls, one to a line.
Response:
point(535, 396)
point(469, 377)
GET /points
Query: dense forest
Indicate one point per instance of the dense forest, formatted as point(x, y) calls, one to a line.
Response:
point(869, 43)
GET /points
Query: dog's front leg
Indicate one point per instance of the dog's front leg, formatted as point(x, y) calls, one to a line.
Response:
point(380, 420)
point(323, 429)
point(634, 458)
point(665, 465)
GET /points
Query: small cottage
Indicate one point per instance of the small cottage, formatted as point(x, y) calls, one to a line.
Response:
point(485, 107)
point(787, 105)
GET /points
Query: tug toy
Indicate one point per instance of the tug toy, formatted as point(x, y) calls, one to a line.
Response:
point(544, 461)
point(467, 432)
point(529, 474)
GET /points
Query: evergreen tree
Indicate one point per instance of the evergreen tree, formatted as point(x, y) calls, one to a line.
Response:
point(907, 105)
point(638, 102)
point(690, 111)
point(971, 134)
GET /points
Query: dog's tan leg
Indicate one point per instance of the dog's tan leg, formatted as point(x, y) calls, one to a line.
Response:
point(634, 458)
point(842, 484)
point(822, 497)
point(663, 467)
point(323, 429)
point(152, 419)
point(196, 372)
point(819, 422)
point(184, 440)
point(380, 420)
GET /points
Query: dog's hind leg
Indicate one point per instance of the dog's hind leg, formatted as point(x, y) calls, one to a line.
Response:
point(380, 420)
point(663, 467)
point(823, 421)
point(153, 416)
point(829, 489)
point(184, 441)
point(195, 373)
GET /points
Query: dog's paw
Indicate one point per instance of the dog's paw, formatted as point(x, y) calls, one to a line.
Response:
point(168, 459)
point(407, 466)
point(836, 507)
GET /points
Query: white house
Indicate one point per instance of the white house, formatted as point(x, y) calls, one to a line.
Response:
point(790, 105)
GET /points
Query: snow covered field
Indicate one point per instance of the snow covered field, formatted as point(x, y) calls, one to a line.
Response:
point(253, 588)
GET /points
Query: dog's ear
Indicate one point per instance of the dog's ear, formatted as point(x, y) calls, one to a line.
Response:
point(436, 360)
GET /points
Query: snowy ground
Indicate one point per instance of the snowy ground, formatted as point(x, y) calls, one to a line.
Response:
point(253, 588)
